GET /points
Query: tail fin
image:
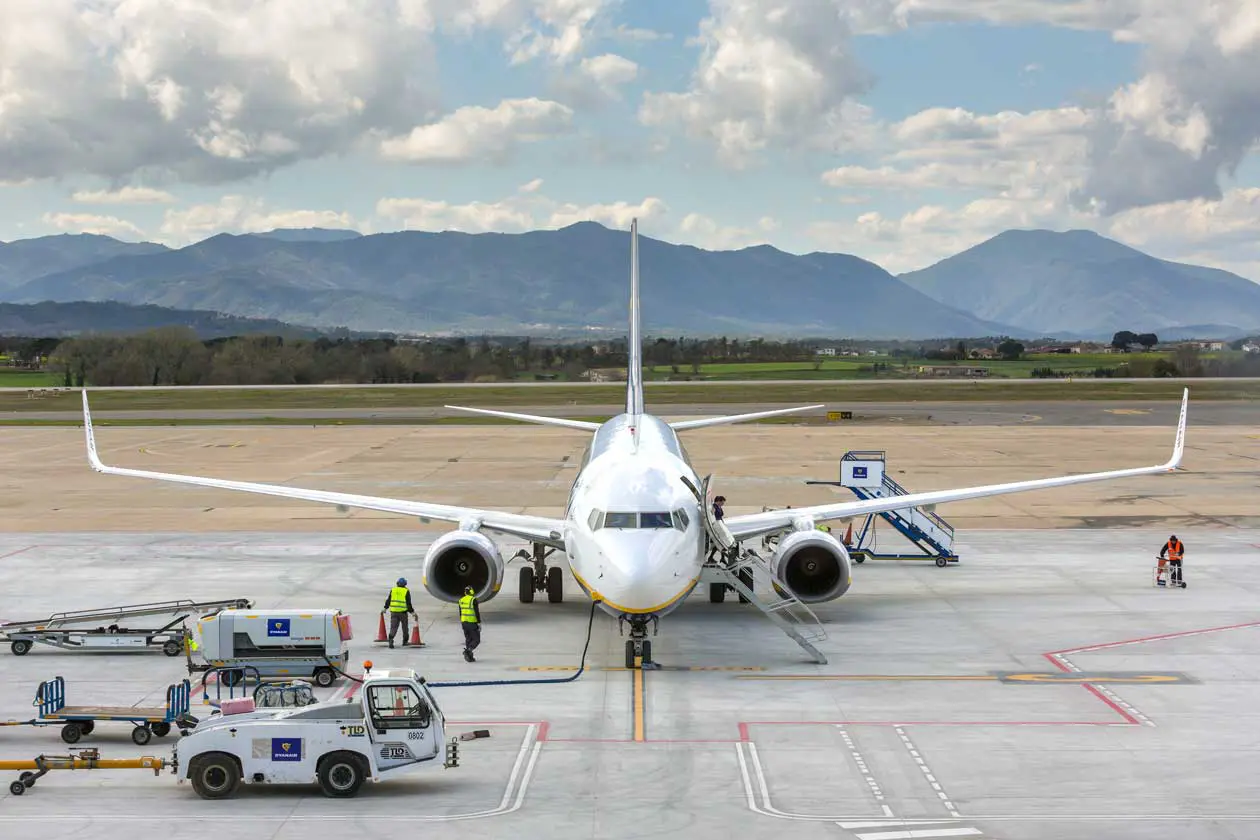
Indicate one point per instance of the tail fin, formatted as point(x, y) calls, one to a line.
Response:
point(634, 369)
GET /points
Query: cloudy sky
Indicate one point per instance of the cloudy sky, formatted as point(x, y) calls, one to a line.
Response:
point(898, 130)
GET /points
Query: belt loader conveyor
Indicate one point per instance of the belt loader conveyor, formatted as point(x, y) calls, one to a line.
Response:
point(73, 630)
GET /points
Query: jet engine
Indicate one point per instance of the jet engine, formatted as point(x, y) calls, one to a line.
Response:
point(813, 565)
point(458, 559)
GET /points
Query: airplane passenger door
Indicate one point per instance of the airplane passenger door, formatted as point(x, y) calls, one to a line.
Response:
point(718, 533)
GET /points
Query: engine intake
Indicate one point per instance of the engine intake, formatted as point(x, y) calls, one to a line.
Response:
point(459, 559)
point(813, 565)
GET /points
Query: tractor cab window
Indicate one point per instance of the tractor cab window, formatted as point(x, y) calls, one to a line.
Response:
point(398, 707)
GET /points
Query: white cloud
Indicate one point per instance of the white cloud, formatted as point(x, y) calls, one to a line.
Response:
point(481, 134)
point(513, 214)
point(203, 91)
point(769, 72)
point(703, 232)
point(609, 71)
point(241, 214)
point(126, 195)
point(630, 33)
point(530, 186)
point(88, 223)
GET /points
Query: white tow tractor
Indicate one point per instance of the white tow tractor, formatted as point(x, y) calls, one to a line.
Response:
point(394, 725)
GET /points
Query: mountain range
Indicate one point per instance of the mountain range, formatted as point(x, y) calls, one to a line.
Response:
point(1021, 283)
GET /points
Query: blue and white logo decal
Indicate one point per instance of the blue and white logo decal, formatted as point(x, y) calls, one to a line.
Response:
point(286, 749)
point(278, 627)
point(859, 472)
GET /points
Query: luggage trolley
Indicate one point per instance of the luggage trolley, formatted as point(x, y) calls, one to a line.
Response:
point(78, 721)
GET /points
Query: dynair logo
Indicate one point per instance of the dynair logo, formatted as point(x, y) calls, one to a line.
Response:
point(278, 627)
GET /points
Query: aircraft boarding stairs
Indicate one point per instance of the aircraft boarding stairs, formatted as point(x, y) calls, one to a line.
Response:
point(866, 474)
point(740, 568)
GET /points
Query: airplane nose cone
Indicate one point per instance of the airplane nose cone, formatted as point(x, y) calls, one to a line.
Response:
point(642, 572)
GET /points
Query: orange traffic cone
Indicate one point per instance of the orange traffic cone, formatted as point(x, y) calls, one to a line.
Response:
point(380, 633)
point(415, 635)
point(848, 535)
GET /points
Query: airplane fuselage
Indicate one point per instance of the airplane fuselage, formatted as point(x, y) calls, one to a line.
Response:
point(634, 533)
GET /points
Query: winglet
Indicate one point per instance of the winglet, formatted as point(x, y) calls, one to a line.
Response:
point(93, 458)
point(1179, 447)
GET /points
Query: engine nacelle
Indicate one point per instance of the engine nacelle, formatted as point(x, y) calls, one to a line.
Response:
point(458, 559)
point(813, 565)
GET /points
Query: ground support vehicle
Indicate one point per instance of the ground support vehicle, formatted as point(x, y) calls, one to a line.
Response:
point(276, 643)
point(393, 726)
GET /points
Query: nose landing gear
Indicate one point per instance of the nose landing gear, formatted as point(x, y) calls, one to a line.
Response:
point(638, 646)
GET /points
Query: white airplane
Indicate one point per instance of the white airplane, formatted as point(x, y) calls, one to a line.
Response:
point(637, 529)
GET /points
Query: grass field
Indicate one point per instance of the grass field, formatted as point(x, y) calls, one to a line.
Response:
point(28, 379)
point(836, 394)
point(857, 367)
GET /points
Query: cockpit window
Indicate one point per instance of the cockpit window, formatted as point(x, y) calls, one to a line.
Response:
point(612, 519)
point(621, 520)
point(680, 519)
point(655, 520)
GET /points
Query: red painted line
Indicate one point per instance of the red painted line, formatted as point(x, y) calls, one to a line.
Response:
point(1056, 662)
point(16, 553)
point(1160, 637)
point(544, 729)
point(743, 732)
point(1114, 706)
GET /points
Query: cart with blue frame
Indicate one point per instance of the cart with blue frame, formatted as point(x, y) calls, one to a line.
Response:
point(77, 721)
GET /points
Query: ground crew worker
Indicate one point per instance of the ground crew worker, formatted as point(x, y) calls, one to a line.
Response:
point(823, 527)
point(398, 602)
point(1175, 550)
point(470, 621)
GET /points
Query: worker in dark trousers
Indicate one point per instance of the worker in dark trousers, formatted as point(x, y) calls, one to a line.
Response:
point(1175, 549)
point(470, 621)
point(398, 602)
point(719, 510)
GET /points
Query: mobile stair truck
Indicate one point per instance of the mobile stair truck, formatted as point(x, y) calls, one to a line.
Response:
point(394, 725)
point(277, 643)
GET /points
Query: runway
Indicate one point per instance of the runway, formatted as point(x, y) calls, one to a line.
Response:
point(915, 729)
point(936, 413)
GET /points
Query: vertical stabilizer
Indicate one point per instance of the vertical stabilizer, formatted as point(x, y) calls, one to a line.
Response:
point(634, 370)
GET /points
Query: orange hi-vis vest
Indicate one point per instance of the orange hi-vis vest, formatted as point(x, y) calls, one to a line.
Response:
point(1175, 549)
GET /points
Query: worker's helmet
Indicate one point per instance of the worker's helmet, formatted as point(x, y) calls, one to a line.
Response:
point(1173, 537)
point(468, 590)
point(402, 581)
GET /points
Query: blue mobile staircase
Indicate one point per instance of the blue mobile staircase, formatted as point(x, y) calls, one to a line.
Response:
point(866, 475)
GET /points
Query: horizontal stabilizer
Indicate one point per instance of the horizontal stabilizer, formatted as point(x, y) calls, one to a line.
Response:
point(738, 418)
point(530, 418)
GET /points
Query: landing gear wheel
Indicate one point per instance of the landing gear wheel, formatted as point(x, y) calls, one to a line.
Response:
point(629, 654)
point(172, 648)
point(717, 593)
point(71, 733)
point(214, 776)
point(21, 647)
point(555, 585)
point(86, 726)
point(941, 561)
point(324, 677)
point(340, 775)
point(527, 585)
point(161, 729)
point(746, 577)
point(647, 653)
point(141, 735)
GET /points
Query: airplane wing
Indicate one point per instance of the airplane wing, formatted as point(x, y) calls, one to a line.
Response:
point(535, 528)
point(757, 524)
point(680, 425)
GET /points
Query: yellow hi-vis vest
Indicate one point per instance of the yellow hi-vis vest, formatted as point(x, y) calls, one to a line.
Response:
point(467, 615)
point(398, 599)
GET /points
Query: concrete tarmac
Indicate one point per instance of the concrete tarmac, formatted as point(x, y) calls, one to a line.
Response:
point(951, 705)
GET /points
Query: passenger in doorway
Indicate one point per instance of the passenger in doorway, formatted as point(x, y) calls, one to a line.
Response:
point(718, 510)
point(1174, 549)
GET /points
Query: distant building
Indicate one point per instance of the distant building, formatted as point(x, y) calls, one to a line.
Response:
point(605, 375)
point(983, 353)
point(953, 370)
point(825, 351)
point(1250, 347)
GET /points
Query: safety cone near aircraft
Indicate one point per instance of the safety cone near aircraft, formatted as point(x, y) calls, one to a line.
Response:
point(415, 635)
point(381, 635)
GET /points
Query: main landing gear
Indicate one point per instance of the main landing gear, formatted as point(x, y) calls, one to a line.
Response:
point(538, 577)
point(638, 646)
